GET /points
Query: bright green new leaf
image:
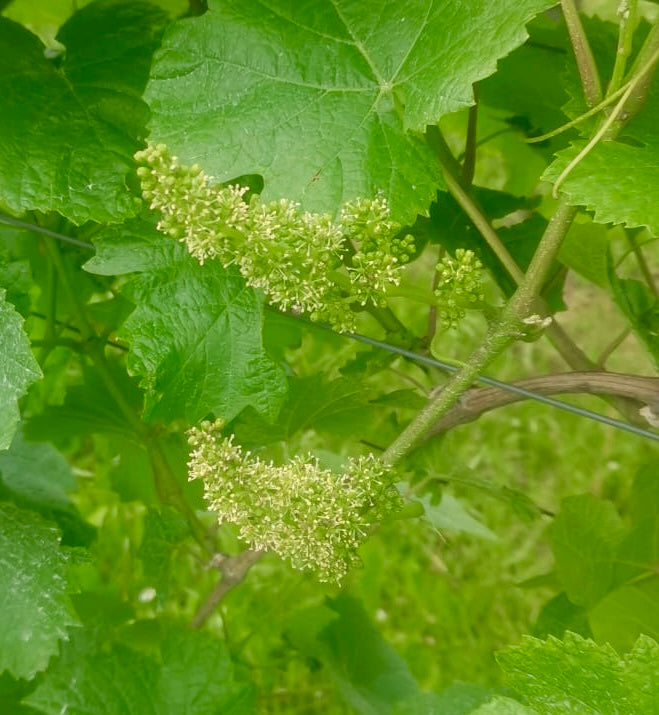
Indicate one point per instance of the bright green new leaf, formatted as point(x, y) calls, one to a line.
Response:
point(194, 676)
point(618, 179)
point(578, 676)
point(320, 98)
point(36, 612)
point(68, 130)
point(18, 369)
point(451, 515)
point(195, 333)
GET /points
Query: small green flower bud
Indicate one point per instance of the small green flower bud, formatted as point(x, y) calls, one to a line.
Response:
point(459, 285)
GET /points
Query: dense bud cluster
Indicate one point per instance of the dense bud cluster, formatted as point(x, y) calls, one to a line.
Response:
point(379, 254)
point(295, 257)
point(459, 285)
point(312, 517)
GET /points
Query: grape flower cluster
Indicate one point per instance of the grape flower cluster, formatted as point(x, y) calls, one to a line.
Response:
point(313, 517)
point(303, 262)
point(459, 285)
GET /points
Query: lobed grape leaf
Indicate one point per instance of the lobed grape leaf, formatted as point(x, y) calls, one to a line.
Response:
point(194, 676)
point(88, 408)
point(36, 611)
point(617, 180)
point(585, 250)
point(324, 99)
point(575, 675)
point(625, 613)
point(500, 705)
point(341, 405)
point(640, 306)
point(34, 475)
point(195, 333)
point(164, 530)
point(457, 699)
point(69, 130)
point(18, 369)
point(584, 538)
point(371, 676)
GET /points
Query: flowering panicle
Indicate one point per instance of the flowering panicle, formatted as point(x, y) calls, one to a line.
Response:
point(459, 285)
point(379, 252)
point(313, 517)
point(295, 257)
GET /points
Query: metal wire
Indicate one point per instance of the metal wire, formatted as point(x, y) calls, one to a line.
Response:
point(422, 359)
point(432, 362)
point(15, 223)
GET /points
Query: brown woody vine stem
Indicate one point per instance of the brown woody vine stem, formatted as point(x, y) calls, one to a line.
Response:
point(590, 80)
point(475, 402)
point(233, 569)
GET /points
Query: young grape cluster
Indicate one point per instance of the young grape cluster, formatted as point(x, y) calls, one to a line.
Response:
point(303, 262)
point(312, 517)
point(459, 285)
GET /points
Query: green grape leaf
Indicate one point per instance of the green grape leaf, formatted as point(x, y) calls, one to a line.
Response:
point(584, 538)
point(88, 409)
point(12, 691)
point(457, 699)
point(371, 676)
point(615, 182)
point(193, 676)
point(164, 530)
point(15, 276)
point(451, 515)
point(344, 83)
point(43, 17)
point(575, 675)
point(585, 251)
point(69, 132)
point(528, 83)
point(34, 475)
point(18, 369)
point(625, 613)
point(195, 333)
point(501, 705)
point(641, 308)
point(36, 611)
point(558, 615)
point(340, 406)
point(644, 498)
point(617, 179)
